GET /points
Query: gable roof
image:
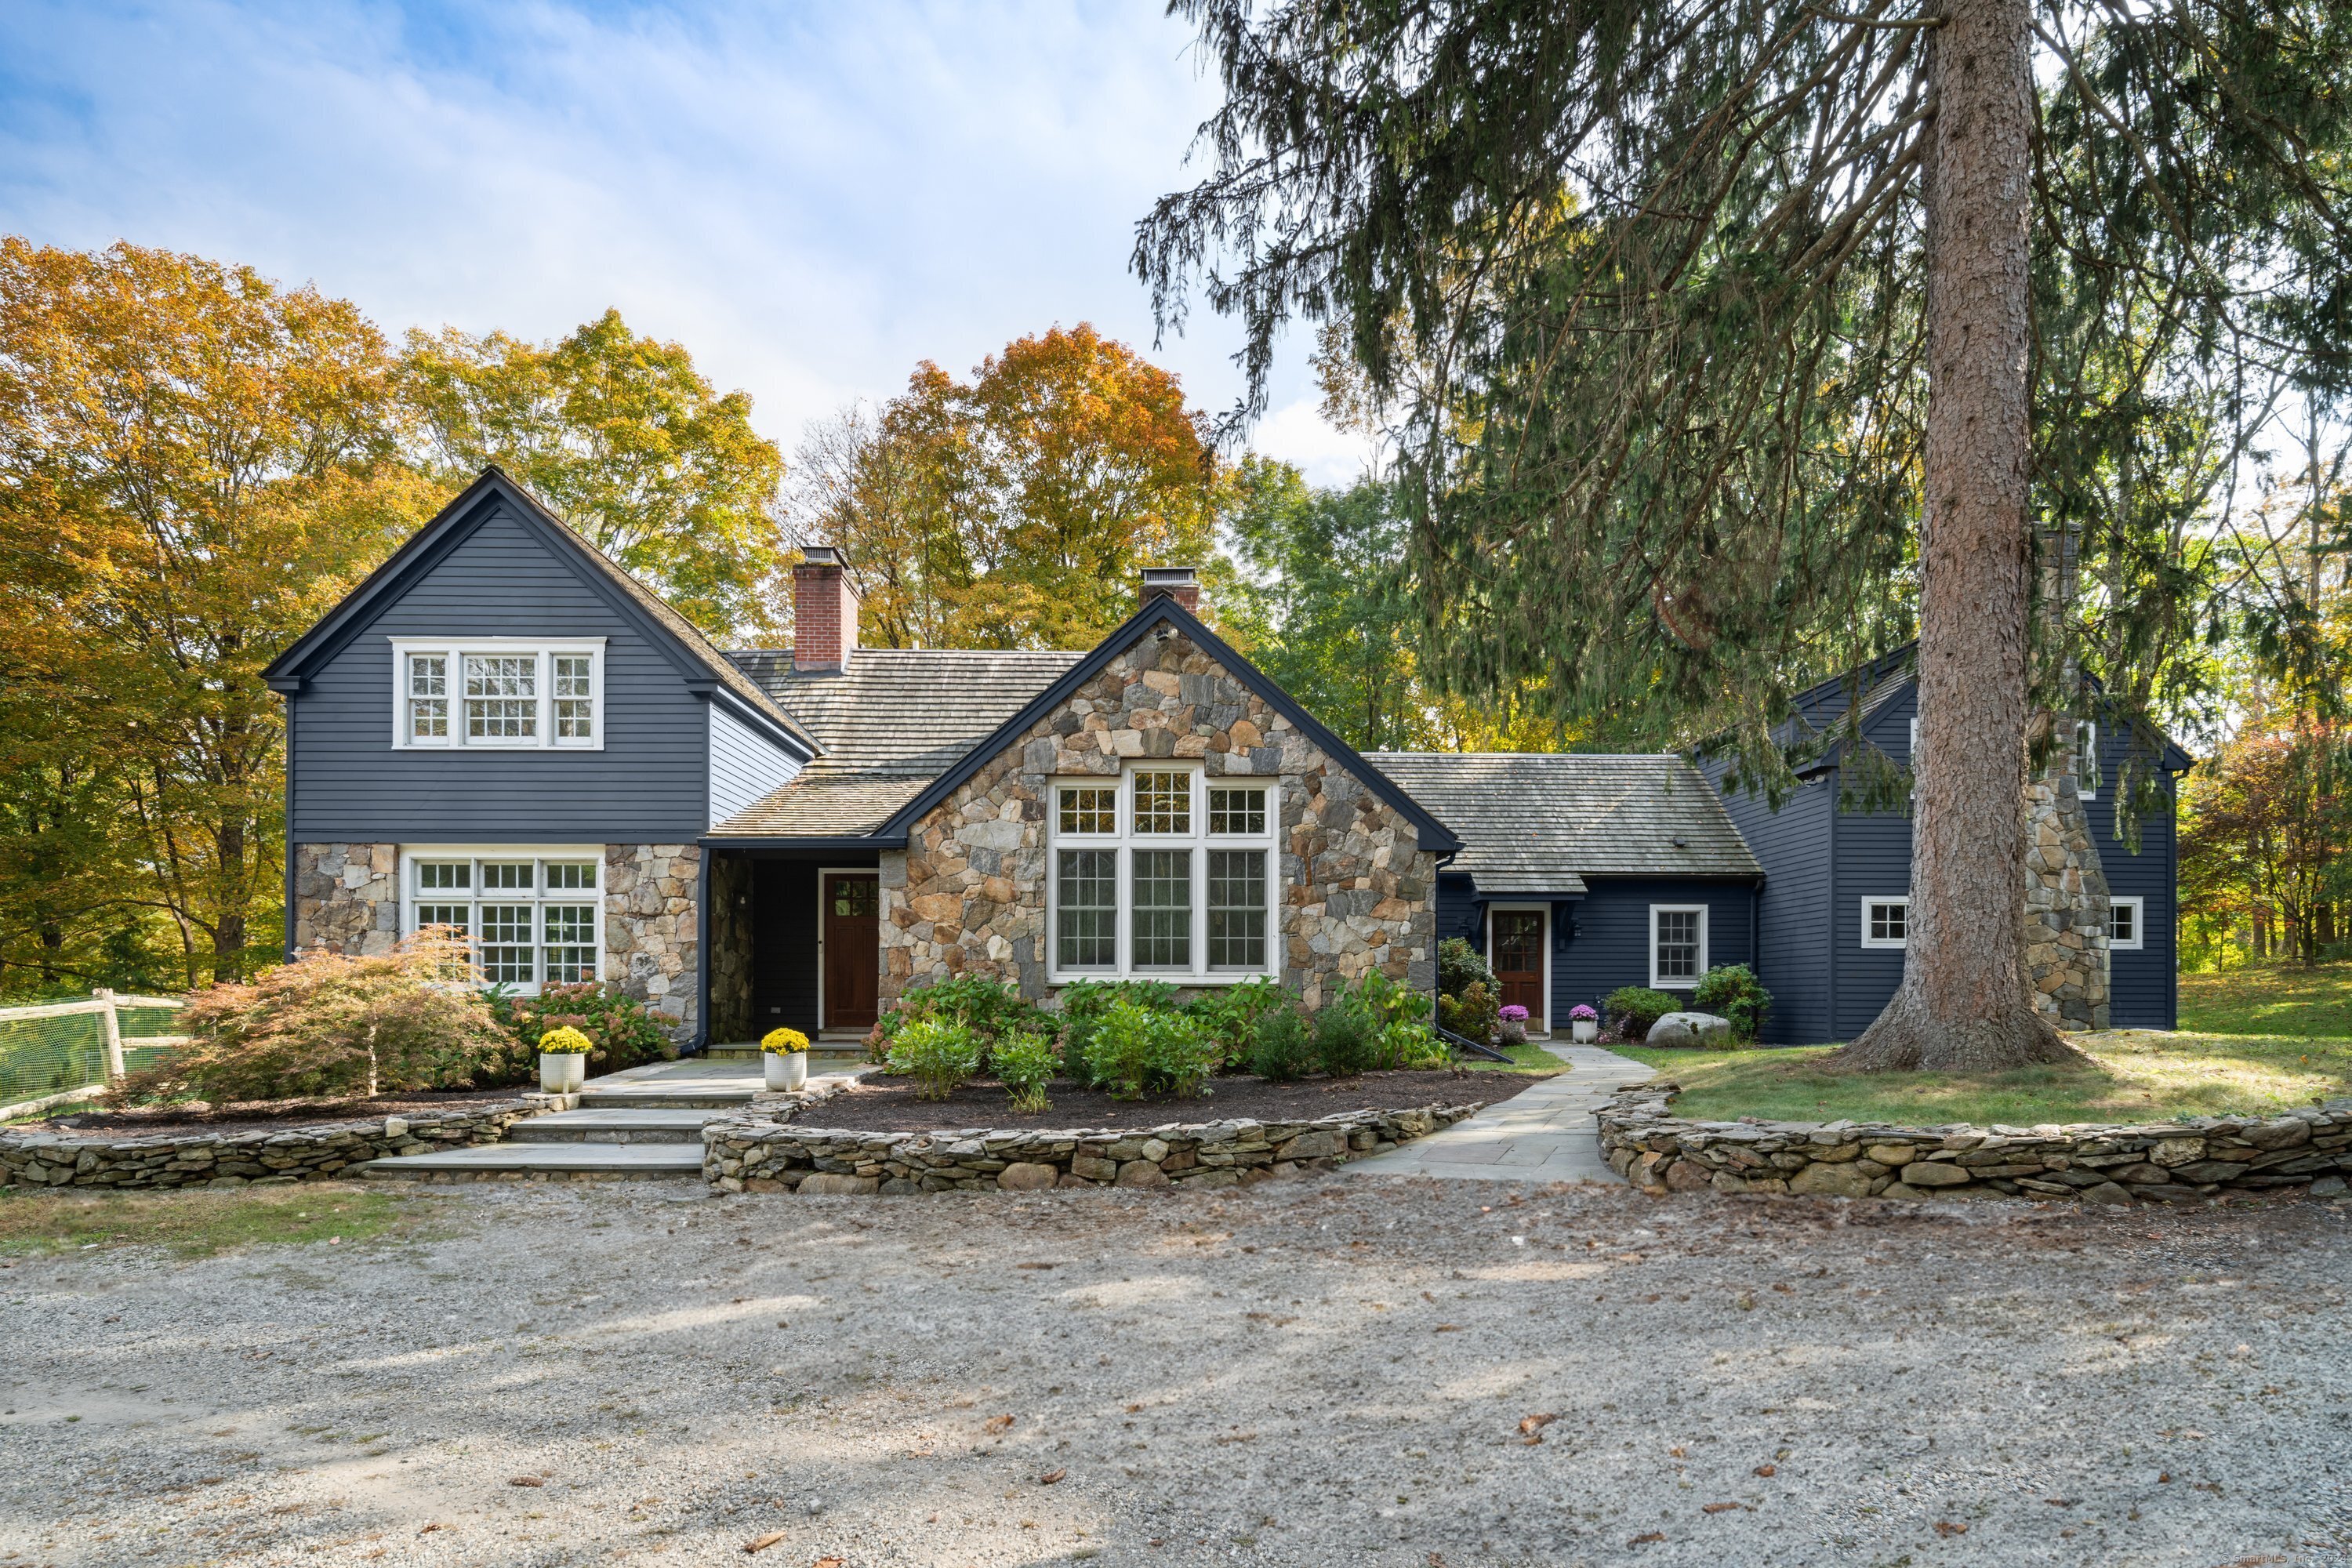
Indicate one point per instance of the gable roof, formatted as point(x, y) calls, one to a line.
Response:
point(705, 670)
point(891, 723)
point(1542, 822)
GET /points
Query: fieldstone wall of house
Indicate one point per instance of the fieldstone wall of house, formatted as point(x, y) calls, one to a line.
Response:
point(241, 1159)
point(968, 896)
point(650, 937)
point(347, 897)
point(2203, 1158)
point(730, 947)
point(760, 1153)
point(2065, 902)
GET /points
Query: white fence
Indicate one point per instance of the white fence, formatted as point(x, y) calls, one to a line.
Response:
point(62, 1051)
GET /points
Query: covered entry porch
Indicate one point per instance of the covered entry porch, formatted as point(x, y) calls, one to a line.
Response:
point(795, 942)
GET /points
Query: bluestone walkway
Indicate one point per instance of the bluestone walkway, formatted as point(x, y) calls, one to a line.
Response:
point(1544, 1133)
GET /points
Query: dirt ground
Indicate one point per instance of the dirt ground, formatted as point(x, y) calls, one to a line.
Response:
point(890, 1104)
point(1330, 1370)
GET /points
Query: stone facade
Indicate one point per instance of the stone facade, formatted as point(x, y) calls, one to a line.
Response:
point(2065, 902)
point(305, 1154)
point(346, 897)
point(731, 948)
point(2203, 1158)
point(967, 895)
point(760, 1153)
point(650, 927)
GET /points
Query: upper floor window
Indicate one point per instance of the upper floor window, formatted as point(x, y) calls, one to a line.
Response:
point(499, 692)
point(1164, 873)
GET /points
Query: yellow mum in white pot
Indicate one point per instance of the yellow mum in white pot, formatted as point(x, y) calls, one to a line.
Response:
point(784, 1053)
point(564, 1060)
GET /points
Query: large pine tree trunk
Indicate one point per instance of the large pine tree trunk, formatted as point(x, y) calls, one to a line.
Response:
point(1962, 1005)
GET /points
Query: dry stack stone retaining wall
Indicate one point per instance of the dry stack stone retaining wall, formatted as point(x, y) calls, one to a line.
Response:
point(968, 894)
point(2173, 1162)
point(241, 1159)
point(761, 1153)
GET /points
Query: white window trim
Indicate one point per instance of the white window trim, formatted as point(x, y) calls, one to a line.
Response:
point(1873, 900)
point(1658, 982)
point(1540, 1025)
point(2139, 924)
point(454, 649)
point(411, 897)
point(1124, 841)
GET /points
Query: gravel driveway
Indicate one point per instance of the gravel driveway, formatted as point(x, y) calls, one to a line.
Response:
point(1324, 1370)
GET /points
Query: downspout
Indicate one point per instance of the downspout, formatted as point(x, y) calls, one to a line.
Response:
point(1834, 923)
point(288, 918)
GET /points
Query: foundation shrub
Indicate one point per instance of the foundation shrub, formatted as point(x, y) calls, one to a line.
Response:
point(938, 1054)
point(1466, 990)
point(1632, 1010)
point(989, 1009)
point(1732, 990)
point(1346, 1036)
point(621, 1031)
point(1230, 1016)
point(1281, 1049)
point(1133, 1050)
point(1084, 1006)
point(1023, 1060)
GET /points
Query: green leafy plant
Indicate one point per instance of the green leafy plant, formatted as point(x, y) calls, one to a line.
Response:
point(1460, 966)
point(1086, 1002)
point(329, 1024)
point(566, 1041)
point(1732, 990)
point(1471, 1014)
point(1346, 1035)
point(1404, 1045)
point(1633, 1008)
point(989, 1008)
point(626, 1032)
point(1024, 1061)
point(1281, 1049)
point(940, 1055)
point(1231, 1013)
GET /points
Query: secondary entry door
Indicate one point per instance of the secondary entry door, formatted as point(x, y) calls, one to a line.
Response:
point(853, 953)
point(1517, 954)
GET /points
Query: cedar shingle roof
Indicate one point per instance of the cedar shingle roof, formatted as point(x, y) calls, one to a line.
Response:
point(891, 723)
point(1541, 823)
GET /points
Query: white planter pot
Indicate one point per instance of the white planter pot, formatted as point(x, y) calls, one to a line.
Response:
point(1584, 1031)
point(562, 1072)
point(787, 1070)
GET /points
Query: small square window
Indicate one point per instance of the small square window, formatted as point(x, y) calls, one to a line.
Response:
point(1089, 809)
point(1164, 801)
point(1885, 923)
point(2124, 920)
point(1237, 811)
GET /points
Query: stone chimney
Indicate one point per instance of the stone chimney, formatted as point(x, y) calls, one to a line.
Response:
point(1181, 583)
point(824, 613)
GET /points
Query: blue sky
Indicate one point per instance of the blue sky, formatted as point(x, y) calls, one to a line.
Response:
point(811, 197)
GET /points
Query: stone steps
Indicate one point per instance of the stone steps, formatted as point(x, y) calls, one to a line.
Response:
point(543, 1160)
point(654, 1098)
point(631, 1126)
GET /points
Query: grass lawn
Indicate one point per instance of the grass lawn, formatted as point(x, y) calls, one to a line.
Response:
point(199, 1224)
point(2270, 999)
point(2139, 1076)
point(1528, 1059)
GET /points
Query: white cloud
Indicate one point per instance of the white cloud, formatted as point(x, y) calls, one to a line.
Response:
point(1297, 434)
point(812, 200)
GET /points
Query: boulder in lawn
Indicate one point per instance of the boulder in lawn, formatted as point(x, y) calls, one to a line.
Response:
point(1690, 1030)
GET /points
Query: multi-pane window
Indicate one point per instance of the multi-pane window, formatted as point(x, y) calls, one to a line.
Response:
point(1885, 923)
point(498, 693)
point(1164, 873)
point(2124, 917)
point(533, 920)
point(1677, 945)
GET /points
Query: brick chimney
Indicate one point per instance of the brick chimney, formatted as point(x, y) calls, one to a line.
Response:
point(824, 613)
point(1181, 583)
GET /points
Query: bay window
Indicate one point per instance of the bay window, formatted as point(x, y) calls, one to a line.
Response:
point(1164, 873)
point(498, 693)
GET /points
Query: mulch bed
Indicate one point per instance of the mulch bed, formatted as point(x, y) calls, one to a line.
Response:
point(889, 1105)
point(263, 1116)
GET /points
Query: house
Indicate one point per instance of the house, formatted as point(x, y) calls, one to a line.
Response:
point(502, 731)
point(2102, 915)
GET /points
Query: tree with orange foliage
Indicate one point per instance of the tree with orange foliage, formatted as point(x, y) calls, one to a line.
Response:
point(1015, 510)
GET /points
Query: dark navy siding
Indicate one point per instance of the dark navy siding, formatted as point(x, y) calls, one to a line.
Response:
point(649, 784)
point(1458, 909)
point(2143, 990)
point(1794, 847)
point(1602, 941)
point(784, 932)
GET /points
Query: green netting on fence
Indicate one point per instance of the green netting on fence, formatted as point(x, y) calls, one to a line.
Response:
point(48, 1056)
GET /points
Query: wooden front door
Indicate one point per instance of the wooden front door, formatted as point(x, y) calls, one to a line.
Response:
point(852, 952)
point(1517, 957)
